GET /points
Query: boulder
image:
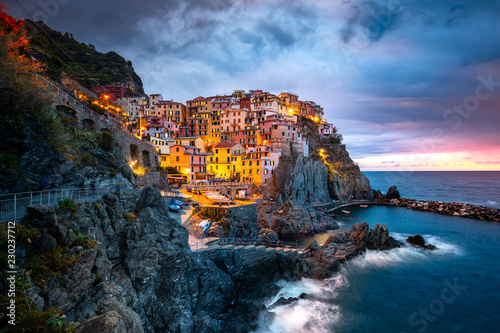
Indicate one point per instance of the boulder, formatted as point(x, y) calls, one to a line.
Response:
point(419, 241)
point(45, 243)
point(45, 215)
point(393, 193)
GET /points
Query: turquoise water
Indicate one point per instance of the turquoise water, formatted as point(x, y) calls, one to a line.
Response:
point(481, 188)
point(452, 289)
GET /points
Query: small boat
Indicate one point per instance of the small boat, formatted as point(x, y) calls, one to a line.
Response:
point(346, 212)
point(334, 216)
point(209, 224)
point(173, 208)
point(177, 202)
point(188, 189)
point(363, 206)
point(205, 224)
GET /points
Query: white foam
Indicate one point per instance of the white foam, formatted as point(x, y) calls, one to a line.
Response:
point(303, 316)
point(443, 247)
point(306, 315)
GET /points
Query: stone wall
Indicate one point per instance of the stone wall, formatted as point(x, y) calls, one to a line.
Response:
point(287, 147)
point(149, 179)
point(235, 221)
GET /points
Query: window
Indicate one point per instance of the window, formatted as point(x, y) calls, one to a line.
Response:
point(217, 167)
point(177, 149)
point(282, 133)
point(250, 163)
point(216, 151)
point(243, 163)
point(177, 158)
point(228, 167)
point(229, 151)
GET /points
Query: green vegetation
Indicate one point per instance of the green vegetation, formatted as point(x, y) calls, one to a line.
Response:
point(38, 268)
point(83, 240)
point(68, 205)
point(104, 68)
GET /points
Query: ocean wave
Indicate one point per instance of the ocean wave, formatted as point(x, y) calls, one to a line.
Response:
point(381, 259)
point(315, 314)
point(443, 247)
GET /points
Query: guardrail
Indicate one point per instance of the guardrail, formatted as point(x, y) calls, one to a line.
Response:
point(257, 242)
point(13, 205)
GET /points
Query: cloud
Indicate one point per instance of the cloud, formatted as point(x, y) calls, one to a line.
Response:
point(386, 72)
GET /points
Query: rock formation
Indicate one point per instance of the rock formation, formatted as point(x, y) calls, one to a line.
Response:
point(418, 240)
point(141, 275)
point(321, 262)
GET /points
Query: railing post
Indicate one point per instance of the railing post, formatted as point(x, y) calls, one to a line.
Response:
point(31, 193)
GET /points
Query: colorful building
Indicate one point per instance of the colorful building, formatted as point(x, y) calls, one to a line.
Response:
point(225, 160)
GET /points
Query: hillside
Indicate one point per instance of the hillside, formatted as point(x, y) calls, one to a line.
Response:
point(105, 68)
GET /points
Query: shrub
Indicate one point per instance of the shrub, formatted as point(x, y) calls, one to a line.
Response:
point(68, 205)
point(106, 141)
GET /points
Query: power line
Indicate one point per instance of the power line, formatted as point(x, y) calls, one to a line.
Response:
point(59, 46)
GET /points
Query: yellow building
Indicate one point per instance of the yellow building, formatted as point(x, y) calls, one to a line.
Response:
point(226, 160)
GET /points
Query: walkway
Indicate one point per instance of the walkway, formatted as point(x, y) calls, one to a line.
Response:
point(13, 205)
point(251, 247)
point(334, 205)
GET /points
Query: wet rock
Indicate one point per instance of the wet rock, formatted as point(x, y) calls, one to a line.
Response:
point(322, 262)
point(418, 240)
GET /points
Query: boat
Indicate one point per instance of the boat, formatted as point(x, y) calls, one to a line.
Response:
point(188, 189)
point(363, 206)
point(205, 224)
point(334, 216)
point(173, 208)
point(209, 224)
point(177, 202)
point(346, 212)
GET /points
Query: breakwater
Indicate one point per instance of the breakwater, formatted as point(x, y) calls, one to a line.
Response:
point(446, 208)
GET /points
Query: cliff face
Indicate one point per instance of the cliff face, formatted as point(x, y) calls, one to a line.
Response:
point(141, 275)
point(297, 184)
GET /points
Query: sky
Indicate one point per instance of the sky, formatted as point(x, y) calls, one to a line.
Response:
point(410, 84)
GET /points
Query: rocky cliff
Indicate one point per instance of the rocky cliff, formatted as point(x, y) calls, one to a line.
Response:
point(135, 273)
point(322, 261)
point(297, 184)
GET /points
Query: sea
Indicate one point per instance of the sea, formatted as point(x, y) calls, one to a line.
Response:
point(455, 288)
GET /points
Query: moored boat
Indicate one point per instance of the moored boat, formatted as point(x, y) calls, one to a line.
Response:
point(173, 208)
point(346, 212)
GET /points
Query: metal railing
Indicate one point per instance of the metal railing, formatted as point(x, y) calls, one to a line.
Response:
point(257, 242)
point(13, 205)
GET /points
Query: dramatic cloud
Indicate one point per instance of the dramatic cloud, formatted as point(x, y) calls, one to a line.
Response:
point(399, 78)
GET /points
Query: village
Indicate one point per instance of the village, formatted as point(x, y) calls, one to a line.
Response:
point(238, 137)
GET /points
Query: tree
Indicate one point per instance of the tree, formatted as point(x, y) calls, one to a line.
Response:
point(21, 92)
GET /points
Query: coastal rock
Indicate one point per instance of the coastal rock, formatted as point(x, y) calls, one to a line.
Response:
point(453, 208)
point(393, 193)
point(292, 219)
point(418, 240)
point(322, 262)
